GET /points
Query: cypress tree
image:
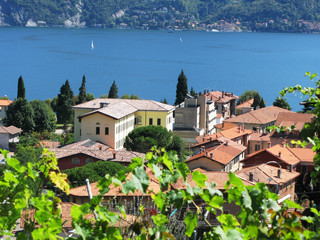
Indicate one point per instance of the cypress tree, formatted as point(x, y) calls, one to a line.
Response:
point(262, 104)
point(113, 92)
point(256, 101)
point(192, 92)
point(64, 104)
point(182, 88)
point(21, 88)
point(82, 91)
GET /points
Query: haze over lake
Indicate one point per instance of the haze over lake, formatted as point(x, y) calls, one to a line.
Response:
point(147, 63)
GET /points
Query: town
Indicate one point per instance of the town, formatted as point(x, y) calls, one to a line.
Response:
point(216, 134)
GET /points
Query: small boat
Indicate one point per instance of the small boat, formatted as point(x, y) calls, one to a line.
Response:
point(180, 40)
point(92, 46)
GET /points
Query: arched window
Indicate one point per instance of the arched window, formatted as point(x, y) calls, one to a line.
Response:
point(89, 160)
point(75, 160)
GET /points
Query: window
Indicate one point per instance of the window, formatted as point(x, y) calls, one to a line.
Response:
point(138, 120)
point(150, 121)
point(257, 147)
point(159, 121)
point(75, 160)
point(106, 131)
point(97, 130)
point(304, 168)
point(89, 160)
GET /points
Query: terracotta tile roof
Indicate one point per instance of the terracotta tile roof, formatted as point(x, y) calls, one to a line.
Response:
point(267, 174)
point(11, 130)
point(139, 105)
point(220, 97)
point(284, 154)
point(287, 119)
point(222, 154)
point(220, 178)
point(262, 137)
point(246, 104)
point(306, 155)
point(4, 102)
point(226, 126)
point(230, 133)
point(96, 150)
point(49, 144)
point(259, 116)
point(82, 191)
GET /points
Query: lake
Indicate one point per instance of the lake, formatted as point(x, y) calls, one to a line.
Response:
point(147, 63)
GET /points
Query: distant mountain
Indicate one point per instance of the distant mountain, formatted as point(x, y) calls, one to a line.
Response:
point(233, 15)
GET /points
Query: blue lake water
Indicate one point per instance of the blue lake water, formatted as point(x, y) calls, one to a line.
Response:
point(147, 63)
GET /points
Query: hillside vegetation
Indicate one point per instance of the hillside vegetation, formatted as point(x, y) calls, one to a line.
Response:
point(273, 15)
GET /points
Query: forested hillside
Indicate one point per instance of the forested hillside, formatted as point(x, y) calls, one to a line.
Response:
point(251, 15)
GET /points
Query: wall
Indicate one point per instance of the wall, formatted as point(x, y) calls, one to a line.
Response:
point(123, 127)
point(206, 164)
point(187, 118)
point(166, 118)
point(77, 123)
point(66, 163)
point(4, 141)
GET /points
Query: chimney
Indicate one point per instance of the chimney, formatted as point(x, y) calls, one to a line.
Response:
point(211, 155)
point(100, 148)
point(222, 124)
point(114, 154)
point(269, 144)
point(258, 129)
point(283, 144)
point(279, 154)
point(227, 143)
point(279, 173)
point(250, 176)
point(206, 154)
point(291, 168)
point(210, 139)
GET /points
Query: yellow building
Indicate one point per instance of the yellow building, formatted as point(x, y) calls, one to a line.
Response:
point(110, 120)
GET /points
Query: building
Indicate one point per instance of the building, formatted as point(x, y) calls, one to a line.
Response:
point(286, 120)
point(258, 120)
point(4, 104)
point(223, 155)
point(81, 153)
point(244, 107)
point(280, 181)
point(111, 120)
point(7, 135)
point(258, 141)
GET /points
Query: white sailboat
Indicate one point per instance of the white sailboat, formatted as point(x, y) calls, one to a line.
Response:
point(180, 39)
point(92, 46)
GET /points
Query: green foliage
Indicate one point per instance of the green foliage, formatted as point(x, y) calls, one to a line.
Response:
point(182, 88)
point(113, 92)
point(64, 104)
point(21, 89)
point(282, 103)
point(164, 101)
point(20, 114)
point(142, 139)
point(192, 92)
point(82, 91)
point(93, 171)
point(44, 118)
point(127, 96)
point(250, 94)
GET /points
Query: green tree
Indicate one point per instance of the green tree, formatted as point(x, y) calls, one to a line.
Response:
point(182, 88)
point(21, 115)
point(21, 88)
point(249, 94)
point(113, 92)
point(142, 139)
point(192, 92)
point(82, 91)
point(64, 104)
point(43, 117)
point(90, 97)
point(282, 103)
point(262, 103)
point(164, 101)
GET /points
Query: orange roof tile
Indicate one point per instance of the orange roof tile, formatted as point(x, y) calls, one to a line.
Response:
point(4, 102)
point(221, 97)
point(259, 116)
point(246, 104)
point(306, 155)
point(226, 126)
point(256, 136)
point(287, 119)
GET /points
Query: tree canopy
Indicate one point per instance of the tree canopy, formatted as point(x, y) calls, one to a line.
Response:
point(258, 101)
point(21, 89)
point(113, 92)
point(182, 88)
point(282, 103)
point(43, 117)
point(64, 104)
point(82, 91)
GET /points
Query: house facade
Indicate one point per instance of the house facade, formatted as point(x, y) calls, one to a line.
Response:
point(7, 135)
point(111, 120)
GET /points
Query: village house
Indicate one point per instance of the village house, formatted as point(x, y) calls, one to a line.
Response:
point(244, 107)
point(286, 120)
point(280, 181)
point(258, 141)
point(111, 120)
point(221, 155)
point(259, 119)
point(4, 104)
point(81, 153)
point(224, 126)
point(9, 135)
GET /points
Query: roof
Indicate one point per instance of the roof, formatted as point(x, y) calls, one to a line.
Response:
point(220, 97)
point(219, 178)
point(306, 155)
point(267, 174)
point(5, 102)
point(259, 116)
point(261, 137)
point(230, 133)
point(285, 154)
point(138, 104)
point(49, 144)
point(96, 150)
point(11, 130)
point(82, 191)
point(222, 153)
point(287, 119)
point(225, 126)
point(246, 103)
